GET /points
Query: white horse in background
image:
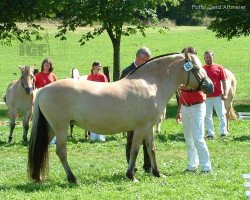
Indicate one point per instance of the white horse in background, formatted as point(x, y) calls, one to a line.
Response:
point(231, 90)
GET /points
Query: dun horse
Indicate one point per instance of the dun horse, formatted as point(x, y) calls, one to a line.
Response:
point(19, 99)
point(231, 85)
point(133, 103)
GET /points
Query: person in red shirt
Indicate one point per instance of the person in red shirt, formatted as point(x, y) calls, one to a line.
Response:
point(191, 113)
point(46, 76)
point(215, 100)
point(97, 76)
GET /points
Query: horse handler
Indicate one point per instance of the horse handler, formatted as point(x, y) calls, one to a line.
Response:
point(191, 113)
point(142, 55)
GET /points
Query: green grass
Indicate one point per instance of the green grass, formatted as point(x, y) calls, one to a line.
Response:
point(100, 167)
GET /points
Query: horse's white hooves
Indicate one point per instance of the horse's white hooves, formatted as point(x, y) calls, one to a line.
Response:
point(135, 180)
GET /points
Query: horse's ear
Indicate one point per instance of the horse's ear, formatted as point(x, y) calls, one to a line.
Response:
point(187, 56)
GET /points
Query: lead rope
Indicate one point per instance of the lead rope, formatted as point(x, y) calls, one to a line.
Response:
point(188, 110)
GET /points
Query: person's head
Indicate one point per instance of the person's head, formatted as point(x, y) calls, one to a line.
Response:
point(47, 65)
point(209, 57)
point(96, 67)
point(142, 56)
point(189, 50)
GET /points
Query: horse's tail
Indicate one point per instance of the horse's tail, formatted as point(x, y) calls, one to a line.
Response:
point(38, 147)
point(4, 98)
point(232, 115)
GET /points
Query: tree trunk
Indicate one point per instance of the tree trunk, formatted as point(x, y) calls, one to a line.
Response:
point(116, 58)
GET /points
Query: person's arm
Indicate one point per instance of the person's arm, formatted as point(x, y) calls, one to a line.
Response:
point(178, 115)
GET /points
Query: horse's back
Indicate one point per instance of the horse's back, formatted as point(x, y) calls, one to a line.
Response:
point(94, 106)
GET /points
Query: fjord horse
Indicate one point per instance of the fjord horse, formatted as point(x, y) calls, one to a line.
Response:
point(132, 103)
point(19, 100)
point(231, 89)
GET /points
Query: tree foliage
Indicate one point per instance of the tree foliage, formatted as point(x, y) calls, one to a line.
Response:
point(230, 18)
point(112, 15)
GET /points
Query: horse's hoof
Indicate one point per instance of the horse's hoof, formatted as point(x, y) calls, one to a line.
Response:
point(10, 140)
point(72, 179)
point(156, 173)
point(131, 177)
point(135, 180)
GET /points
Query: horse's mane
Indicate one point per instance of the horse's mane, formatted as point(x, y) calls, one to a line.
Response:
point(154, 58)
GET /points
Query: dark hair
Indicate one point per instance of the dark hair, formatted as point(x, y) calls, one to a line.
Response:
point(96, 63)
point(189, 50)
point(47, 60)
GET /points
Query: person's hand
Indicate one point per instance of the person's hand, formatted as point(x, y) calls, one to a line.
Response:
point(224, 97)
point(178, 118)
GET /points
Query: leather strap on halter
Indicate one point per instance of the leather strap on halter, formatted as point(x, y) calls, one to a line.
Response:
point(200, 80)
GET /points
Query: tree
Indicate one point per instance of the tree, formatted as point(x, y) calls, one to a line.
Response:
point(112, 15)
point(230, 18)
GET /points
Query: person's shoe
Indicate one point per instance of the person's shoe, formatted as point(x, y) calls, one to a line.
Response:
point(205, 171)
point(223, 135)
point(190, 171)
point(210, 137)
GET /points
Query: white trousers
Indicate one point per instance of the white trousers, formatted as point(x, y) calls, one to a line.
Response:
point(218, 104)
point(95, 136)
point(193, 129)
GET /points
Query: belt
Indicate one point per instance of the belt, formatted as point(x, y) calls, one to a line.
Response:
point(191, 104)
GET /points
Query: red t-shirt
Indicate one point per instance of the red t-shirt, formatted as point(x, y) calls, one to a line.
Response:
point(42, 79)
point(97, 77)
point(217, 74)
point(191, 97)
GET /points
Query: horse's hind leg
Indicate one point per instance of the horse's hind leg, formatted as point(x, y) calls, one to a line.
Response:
point(12, 126)
point(61, 139)
point(139, 135)
point(151, 151)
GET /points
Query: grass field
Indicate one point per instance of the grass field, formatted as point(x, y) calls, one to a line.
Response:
point(100, 167)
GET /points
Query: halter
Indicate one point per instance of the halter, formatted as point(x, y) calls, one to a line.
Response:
point(188, 66)
point(33, 84)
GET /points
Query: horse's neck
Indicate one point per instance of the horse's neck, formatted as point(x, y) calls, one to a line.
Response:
point(20, 88)
point(165, 75)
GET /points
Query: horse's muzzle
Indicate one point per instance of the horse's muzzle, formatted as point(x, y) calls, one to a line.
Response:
point(207, 86)
point(28, 90)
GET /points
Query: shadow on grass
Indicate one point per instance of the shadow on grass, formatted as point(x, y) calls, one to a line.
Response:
point(177, 137)
point(242, 138)
point(34, 187)
point(30, 187)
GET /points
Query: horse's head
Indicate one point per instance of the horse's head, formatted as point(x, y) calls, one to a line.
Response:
point(197, 78)
point(27, 79)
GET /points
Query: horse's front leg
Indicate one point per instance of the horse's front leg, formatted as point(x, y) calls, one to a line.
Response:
point(61, 139)
point(12, 126)
point(139, 135)
point(149, 139)
point(26, 126)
